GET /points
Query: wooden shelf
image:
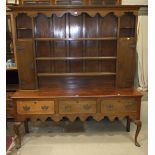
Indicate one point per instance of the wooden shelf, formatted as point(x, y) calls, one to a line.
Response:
point(12, 87)
point(74, 58)
point(127, 28)
point(126, 38)
point(70, 39)
point(24, 28)
point(77, 74)
point(24, 39)
point(11, 68)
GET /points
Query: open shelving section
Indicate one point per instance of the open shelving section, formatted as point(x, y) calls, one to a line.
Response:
point(76, 46)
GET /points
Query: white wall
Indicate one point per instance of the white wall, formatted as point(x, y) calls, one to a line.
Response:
point(135, 2)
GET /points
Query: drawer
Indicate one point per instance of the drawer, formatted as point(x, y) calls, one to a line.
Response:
point(118, 105)
point(35, 107)
point(77, 106)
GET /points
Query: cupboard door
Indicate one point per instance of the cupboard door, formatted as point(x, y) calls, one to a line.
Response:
point(126, 62)
point(25, 60)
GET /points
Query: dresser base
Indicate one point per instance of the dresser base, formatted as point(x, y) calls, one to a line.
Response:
point(98, 104)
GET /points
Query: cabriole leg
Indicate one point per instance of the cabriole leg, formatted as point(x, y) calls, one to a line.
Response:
point(18, 135)
point(139, 125)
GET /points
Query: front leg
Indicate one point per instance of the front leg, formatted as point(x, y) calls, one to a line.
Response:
point(26, 126)
point(128, 124)
point(139, 125)
point(17, 133)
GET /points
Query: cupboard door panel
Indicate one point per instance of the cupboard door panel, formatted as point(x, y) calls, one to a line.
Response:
point(126, 62)
point(25, 60)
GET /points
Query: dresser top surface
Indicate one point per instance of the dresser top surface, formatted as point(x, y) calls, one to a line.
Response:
point(56, 93)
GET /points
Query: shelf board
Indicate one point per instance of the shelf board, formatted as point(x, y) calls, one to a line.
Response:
point(11, 68)
point(75, 58)
point(127, 28)
point(24, 28)
point(12, 87)
point(59, 39)
point(24, 39)
point(126, 38)
point(77, 74)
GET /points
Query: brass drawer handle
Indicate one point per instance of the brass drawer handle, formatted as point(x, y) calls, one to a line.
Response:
point(26, 108)
point(35, 102)
point(87, 107)
point(44, 107)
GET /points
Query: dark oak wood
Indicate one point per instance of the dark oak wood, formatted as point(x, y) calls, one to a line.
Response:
point(74, 58)
point(25, 64)
point(126, 68)
point(83, 60)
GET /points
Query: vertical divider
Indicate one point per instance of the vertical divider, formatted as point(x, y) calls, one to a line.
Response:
point(99, 43)
point(136, 23)
point(53, 2)
point(118, 2)
point(84, 41)
point(14, 35)
point(86, 2)
point(52, 43)
point(67, 41)
point(34, 65)
point(118, 35)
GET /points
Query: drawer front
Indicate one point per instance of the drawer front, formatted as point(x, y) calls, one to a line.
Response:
point(35, 107)
point(118, 106)
point(77, 106)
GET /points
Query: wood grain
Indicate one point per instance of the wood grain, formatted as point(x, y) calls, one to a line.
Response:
point(77, 106)
point(35, 107)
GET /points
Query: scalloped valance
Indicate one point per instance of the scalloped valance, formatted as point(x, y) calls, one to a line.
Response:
point(91, 13)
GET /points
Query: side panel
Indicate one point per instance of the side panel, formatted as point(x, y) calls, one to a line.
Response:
point(26, 69)
point(126, 53)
